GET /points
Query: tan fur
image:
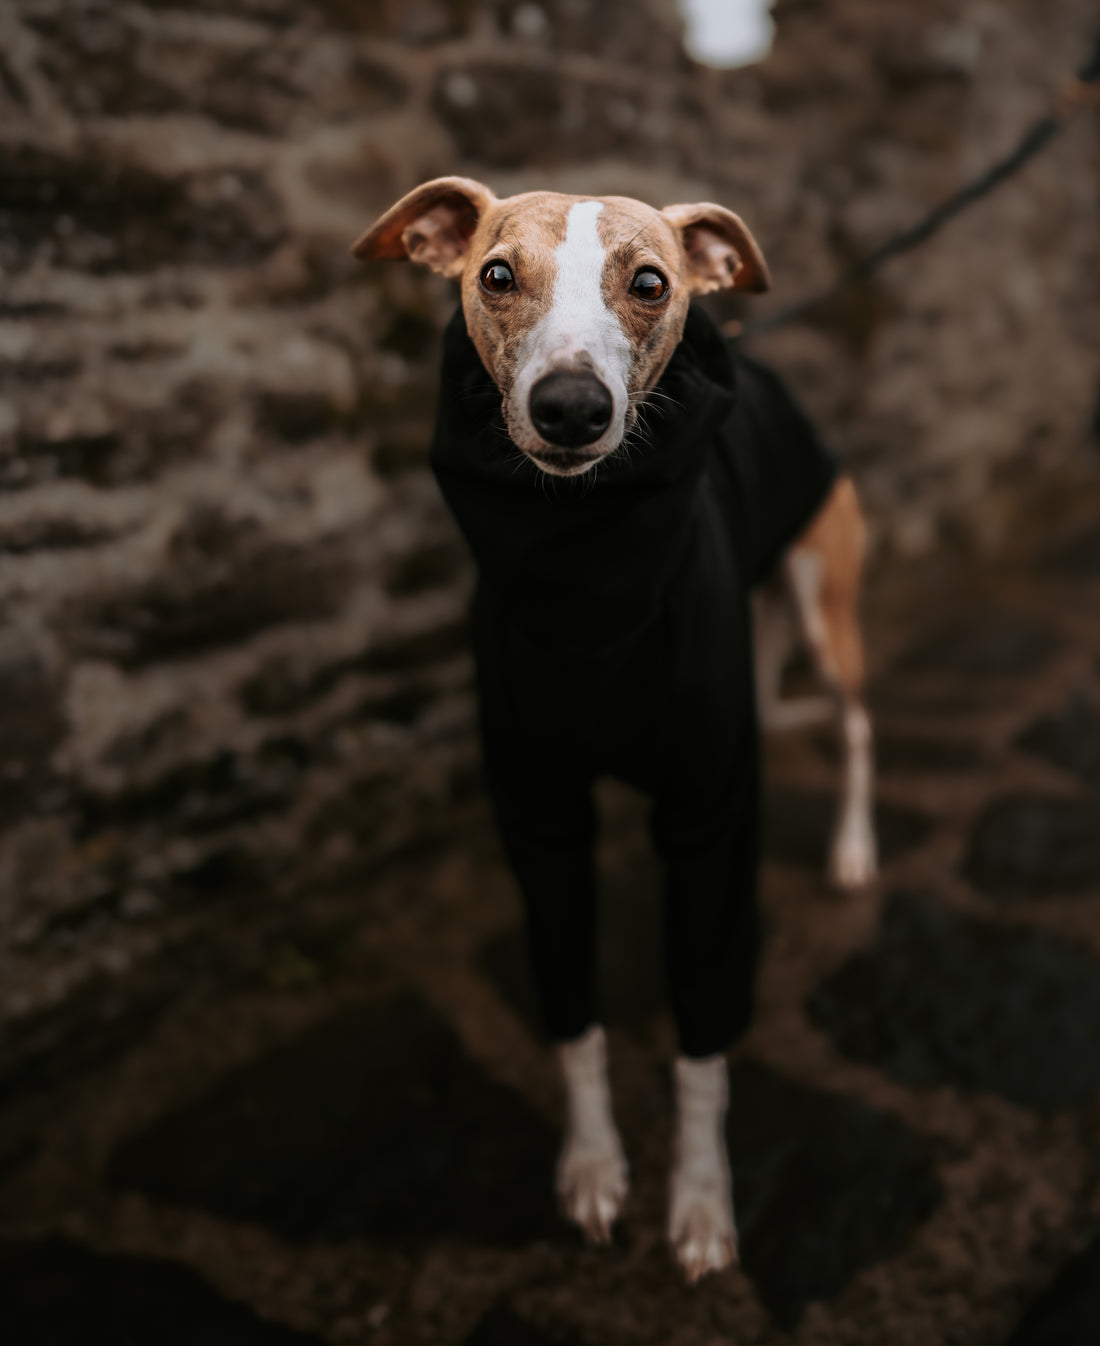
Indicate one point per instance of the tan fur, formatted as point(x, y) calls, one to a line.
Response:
point(637, 236)
point(837, 536)
point(523, 231)
point(721, 252)
point(431, 225)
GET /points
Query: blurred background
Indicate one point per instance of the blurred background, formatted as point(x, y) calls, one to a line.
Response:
point(240, 797)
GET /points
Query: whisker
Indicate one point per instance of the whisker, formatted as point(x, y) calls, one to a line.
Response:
point(652, 396)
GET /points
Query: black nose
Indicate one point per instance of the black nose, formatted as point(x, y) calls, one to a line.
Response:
point(570, 409)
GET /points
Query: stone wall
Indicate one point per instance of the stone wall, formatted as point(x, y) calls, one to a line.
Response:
point(232, 657)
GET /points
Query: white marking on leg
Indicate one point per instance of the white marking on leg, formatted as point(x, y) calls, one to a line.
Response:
point(592, 1170)
point(854, 860)
point(773, 641)
point(804, 577)
point(700, 1216)
point(579, 331)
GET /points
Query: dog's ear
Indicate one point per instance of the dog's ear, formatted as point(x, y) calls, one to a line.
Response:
point(433, 225)
point(721, 253)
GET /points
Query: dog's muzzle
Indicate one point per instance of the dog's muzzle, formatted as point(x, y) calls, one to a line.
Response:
point(570, 410)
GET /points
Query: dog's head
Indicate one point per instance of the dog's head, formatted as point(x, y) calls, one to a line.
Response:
point(574, 303)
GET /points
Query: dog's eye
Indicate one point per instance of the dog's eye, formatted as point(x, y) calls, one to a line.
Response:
point(497, 278)
point(648, 284)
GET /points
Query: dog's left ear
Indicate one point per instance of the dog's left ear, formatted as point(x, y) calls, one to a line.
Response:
point(721, 252)
point(433, 225)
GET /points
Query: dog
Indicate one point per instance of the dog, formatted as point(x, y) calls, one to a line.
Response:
point(625, 478)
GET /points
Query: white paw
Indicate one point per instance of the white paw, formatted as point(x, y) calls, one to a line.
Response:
point(854, 860)
point(592, 1186)
point(701, 1228)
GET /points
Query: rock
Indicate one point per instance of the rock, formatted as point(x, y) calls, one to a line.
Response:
point(508, 118)
point(943, 999)
point(222, 580)
point(408, 653)
point(502, 1327)
point(823, 1187)
point(372, 1125)
point(1070, 739)
point(123, 218)
point(1067, 1313)
point(52, 534)
point(95, 57)
point(108, 447)
point(257, 89)
point(378, 87)
point(1079, 556)
point(299, 417)
point(16, 1152)
point(402, 447)
point(99, 1022)
point(206, 795)
point(32, 723)
point(431, 567)
point(1033, 846)
point(58, 1293)
point(982, 643)
point(403, 707)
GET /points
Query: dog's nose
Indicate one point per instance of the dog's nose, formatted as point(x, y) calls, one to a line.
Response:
point(570, 409)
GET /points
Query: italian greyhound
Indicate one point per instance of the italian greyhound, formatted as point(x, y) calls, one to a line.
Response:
point(599, 444)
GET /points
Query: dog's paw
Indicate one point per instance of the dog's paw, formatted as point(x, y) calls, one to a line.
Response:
point(592, 1185)
point(701, 1229)
point(854, 859)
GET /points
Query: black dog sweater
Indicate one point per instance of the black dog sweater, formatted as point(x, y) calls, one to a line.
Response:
point(612, 635)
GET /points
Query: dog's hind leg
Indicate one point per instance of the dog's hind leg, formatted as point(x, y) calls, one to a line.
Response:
point(823, 569)
point(774, 639)
point(592, 1170)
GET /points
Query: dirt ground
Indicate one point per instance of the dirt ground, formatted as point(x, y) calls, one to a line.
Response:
point(343, 1128)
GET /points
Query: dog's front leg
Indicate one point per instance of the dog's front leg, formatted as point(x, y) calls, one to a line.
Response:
point(700, 1221)
point(592, 1171)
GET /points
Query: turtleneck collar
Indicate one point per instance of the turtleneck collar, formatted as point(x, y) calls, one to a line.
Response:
point(581, 563)
point(694, 395)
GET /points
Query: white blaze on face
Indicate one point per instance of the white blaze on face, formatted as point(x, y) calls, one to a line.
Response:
point(579, 333)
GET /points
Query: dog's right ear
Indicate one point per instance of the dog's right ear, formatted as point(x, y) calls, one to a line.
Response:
point(433, 225)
